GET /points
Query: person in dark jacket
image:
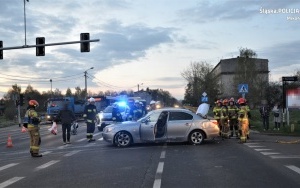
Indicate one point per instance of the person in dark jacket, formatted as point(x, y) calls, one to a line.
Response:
point(265, 113)
point(66, 117)
point(116, 114)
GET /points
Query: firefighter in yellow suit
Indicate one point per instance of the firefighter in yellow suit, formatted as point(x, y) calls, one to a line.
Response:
point(217, 112)
point(243, 120)
point(31, 121)
point(225, 133)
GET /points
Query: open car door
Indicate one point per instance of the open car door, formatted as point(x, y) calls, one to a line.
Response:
point(148, 126)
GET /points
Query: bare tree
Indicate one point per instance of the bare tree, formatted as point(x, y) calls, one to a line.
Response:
point(200, 79)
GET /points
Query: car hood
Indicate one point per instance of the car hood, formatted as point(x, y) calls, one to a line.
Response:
point(125, 124)
point(203, 109)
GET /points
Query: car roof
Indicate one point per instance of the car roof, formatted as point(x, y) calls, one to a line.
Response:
point(174, 109)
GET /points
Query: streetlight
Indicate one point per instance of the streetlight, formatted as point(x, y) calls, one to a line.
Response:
point(85, 72)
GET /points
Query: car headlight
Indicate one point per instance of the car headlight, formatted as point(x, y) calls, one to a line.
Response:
point(109, 129)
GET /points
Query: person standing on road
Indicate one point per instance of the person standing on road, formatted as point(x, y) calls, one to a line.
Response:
point(31, 122)
point(217, 112)
point(277, 112)
point(243, 119)
point(66, 117)
point(90, 113)
point(265, 113)
point(233, 115)
point(116, 114)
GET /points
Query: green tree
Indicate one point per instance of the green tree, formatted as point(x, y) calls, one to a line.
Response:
point(69, 93)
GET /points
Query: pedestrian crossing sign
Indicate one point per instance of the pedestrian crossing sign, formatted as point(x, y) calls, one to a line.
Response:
point(243, 88)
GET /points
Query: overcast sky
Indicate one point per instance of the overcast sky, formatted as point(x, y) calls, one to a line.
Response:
point(142, 42)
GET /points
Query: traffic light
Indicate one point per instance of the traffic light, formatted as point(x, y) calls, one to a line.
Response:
point(1, 51)
point(21, 101)
point(84, 46)
point(40, 51)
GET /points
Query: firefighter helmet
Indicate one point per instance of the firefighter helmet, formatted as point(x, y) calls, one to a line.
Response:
point(91, 99)
point(241, 101)
point(33, 103)
point(225, 101)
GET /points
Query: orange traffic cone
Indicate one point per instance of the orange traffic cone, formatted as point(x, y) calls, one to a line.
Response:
point(9, 142)
point(23, 130)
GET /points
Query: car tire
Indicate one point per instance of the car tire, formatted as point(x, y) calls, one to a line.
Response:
point(122, 139)
point(196, 137)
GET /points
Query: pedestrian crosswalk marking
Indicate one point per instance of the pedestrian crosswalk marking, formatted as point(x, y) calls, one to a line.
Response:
point(47, 164)
point(294, 168)
point(10, 181)
point(72, 153)
point(8, 166)
point(269, 153)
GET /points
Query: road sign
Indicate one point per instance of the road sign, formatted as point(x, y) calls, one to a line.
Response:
point(204, 94)
point(204, 99)
point(243, 88)
point(290, 78)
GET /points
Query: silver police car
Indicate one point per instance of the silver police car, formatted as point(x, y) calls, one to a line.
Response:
point(164, 125)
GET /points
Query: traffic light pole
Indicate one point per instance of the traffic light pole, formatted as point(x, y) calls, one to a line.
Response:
point(49, 44)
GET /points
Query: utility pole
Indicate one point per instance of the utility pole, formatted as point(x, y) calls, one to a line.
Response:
point(25, 21)
point(51, 88)
point(85, 79)
point(139, 86)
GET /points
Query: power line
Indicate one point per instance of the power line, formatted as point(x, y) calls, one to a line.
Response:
point(109, 85)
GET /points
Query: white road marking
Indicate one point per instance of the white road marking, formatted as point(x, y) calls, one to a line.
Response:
point(89, 145)
point(157, 183)
point(62, 147)
point(8, 166)
point(294, 168)
point(46, 152)
point(255, 146)
point(72, 153)
point(262, 149)
point(47, 164)
point(10, 181)
point(160, 168)
point(81, 140)
point(251, 143)
point(269, 153)
point(163, 154)
point(285, 157)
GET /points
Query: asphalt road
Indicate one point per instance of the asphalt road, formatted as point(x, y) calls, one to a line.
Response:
point(261, 162)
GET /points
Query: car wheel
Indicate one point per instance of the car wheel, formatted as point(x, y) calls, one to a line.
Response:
point(122, 139)
point(196, 137)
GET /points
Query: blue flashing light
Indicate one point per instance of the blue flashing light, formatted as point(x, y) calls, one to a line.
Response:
point(122, 103)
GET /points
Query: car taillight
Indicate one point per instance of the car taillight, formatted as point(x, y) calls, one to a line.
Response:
point(215, 122)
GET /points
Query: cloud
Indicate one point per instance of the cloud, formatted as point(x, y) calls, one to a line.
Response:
point(230, 10)
point(283, 54)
